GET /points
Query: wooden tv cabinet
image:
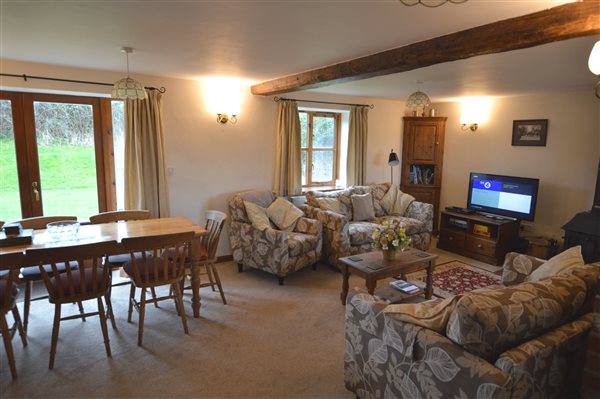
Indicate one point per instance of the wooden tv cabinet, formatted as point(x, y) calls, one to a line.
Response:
point(478, 237)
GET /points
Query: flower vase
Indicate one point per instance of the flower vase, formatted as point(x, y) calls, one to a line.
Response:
point(389, 254)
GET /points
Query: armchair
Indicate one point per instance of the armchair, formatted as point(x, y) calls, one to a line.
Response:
point(275, 251)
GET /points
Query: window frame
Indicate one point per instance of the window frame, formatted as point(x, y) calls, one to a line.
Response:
point(337, 116)
point(28, 170)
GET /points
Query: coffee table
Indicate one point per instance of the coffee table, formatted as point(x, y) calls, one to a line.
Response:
point(408, 261)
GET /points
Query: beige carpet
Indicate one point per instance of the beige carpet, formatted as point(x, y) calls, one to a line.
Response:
point(270, 341)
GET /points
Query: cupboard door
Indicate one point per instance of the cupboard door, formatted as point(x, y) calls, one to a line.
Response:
point(423, 143)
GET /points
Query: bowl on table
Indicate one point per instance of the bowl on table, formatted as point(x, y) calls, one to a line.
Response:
point(63, 229)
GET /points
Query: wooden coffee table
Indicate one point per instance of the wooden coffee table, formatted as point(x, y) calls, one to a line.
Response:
point(405, 262)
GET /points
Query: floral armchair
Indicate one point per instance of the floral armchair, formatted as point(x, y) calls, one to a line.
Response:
point(343, 236)
point(522, 341)
point(274, 251)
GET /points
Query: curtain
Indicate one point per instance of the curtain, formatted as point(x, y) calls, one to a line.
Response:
point(288, 165)
point(356, 168)
point(145, 175)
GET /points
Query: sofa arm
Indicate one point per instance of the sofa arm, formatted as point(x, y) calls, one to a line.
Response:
point(517, 267)
point(421, 211)
point(257, 248)
point(308, 226)
point(559, 353)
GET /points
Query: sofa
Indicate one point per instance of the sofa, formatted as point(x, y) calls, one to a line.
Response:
point(343, 235)
point(525, 340)
point(273, 250)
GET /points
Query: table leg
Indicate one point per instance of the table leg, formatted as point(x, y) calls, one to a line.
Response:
point(195, 275)
point(345, 285)
point(371, 284)
point(429, 284)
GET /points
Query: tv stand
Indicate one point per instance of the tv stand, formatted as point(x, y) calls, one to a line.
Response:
point(497, 217)
point(478, 237)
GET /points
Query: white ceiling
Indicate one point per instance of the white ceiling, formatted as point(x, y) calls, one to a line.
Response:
point(259, 40)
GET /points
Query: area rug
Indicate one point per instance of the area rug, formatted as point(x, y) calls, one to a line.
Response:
point(455, 277)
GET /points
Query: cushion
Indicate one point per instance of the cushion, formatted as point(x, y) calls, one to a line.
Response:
point(343, 196)
point(395, 202)
point(284, 214)
point(76, 276)
point(362, 207)
point(33, 272)
point(257, 215)
point(431, 314)
point(361, 232)
point(488, 323)
point(561, 262)
point(378, 191)
point(329, 204)
point(517, 267)
point(412, 226)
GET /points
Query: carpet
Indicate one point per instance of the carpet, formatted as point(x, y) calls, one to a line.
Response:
point(455, 277)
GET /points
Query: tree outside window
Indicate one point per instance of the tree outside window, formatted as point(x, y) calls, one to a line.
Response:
point(320, 137)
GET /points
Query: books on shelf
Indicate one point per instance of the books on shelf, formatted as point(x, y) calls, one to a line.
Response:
point(404, 286)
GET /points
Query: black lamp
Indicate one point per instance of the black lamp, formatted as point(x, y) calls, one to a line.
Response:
point(393, 161)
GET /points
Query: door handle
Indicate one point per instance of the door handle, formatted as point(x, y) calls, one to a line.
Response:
point(36, 192)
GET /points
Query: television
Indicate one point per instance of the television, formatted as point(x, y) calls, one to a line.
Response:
point(503, 196)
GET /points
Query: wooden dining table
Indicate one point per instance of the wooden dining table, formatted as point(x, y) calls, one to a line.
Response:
point(91, 233)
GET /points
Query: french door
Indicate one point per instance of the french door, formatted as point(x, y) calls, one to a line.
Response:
point(56, 155)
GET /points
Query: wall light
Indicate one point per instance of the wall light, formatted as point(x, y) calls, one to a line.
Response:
point(594, 64)
point(223, 96)
point(475, 110)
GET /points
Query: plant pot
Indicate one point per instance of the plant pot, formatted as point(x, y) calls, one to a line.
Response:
point(389, 254)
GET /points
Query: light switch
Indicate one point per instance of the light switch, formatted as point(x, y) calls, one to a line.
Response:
point(170, 172)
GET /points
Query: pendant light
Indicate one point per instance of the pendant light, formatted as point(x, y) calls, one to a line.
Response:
point(418, 99)
point(128, 88)
point(430, 3)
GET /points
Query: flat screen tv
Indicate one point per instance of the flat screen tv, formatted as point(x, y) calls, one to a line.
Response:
point(505, 196)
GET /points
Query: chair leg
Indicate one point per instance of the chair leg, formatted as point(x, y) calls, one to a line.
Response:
point(8, 346)
point(172, 295)
point(210, 275)
point(154, 296)
point(55, 328)
point(17, 317)
point(81, 311)
point(109, 311)
point(141, 320)
point(214, 271)
point(131, 299)
point(179, 296)
point(103, 325)
point(240, 268)
point(27, 304)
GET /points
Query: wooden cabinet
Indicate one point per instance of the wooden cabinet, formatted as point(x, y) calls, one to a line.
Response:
point(478, 237)
point(422, 160)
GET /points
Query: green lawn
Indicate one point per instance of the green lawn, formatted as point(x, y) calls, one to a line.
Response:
point(68, 180)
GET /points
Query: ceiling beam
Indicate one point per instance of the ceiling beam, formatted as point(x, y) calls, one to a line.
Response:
point(563, 22)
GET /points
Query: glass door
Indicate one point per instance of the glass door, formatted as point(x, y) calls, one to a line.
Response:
point(10, 205)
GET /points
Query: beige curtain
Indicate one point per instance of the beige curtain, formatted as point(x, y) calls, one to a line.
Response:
point(356, 169)
point(288, 165)
point(145, 175)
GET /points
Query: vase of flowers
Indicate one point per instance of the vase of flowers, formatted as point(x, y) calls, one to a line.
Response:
point(389, 238)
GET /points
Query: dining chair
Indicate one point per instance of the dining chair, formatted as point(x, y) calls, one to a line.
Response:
point(215, 220)
point(89, 280)
point(30, 274)
point(11, 263)
point(156, 268)
point(117, 261)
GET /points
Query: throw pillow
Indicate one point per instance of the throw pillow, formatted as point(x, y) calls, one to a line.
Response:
point(561, 262)
point(433, 314)
point(284, 214)
point(395, 202)
point(329, 204)
point(257, 215)
point(362, 207)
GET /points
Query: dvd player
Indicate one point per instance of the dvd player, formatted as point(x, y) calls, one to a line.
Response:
point(458, 209)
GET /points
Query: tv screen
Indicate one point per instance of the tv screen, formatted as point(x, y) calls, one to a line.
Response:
point(508, 196)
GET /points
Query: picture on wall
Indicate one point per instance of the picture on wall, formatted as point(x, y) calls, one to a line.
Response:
point(530, 132)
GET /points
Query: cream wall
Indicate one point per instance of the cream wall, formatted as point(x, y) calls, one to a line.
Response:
point(210, 161)
point(566, 166)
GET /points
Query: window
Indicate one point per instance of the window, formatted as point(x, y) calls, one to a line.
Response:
point(320, 143)
point(57, 155)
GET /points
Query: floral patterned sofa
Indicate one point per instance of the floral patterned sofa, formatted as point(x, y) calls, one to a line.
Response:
point(274, 251)
point(522, 341)
point(342, 236)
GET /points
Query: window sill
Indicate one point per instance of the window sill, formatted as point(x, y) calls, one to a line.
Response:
point(322, 188)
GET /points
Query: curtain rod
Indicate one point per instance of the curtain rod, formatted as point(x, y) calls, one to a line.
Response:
point(277, 99)
point(25, 77)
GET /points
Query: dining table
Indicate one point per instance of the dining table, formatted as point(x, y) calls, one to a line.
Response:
point(116, 231)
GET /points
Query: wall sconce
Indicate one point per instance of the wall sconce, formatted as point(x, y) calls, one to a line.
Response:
point(470, 126)
point(224, 118)
point(475, 110)
point(223, 97)
point(393, 161)
point(594, 65)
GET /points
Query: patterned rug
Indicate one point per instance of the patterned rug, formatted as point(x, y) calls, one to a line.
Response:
point(455, 277)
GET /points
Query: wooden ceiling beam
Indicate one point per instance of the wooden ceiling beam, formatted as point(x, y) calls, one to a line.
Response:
point(563, 22)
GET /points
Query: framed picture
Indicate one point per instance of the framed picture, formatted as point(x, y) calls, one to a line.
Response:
point(530, 132)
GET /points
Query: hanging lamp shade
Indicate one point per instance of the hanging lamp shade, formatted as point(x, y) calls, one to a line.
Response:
point(418, 100)
point(128, 88)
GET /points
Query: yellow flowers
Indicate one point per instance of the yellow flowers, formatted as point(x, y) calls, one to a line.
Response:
point(391, 235)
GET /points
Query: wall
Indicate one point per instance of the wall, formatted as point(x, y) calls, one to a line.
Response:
point(566, 166)
point(210, 161)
